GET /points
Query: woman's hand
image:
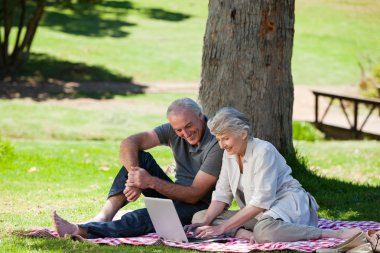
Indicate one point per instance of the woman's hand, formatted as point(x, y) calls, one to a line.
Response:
point(192, 228)
point(206, 231)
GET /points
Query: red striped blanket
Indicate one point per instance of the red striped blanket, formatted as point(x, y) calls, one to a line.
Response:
point(233, 245)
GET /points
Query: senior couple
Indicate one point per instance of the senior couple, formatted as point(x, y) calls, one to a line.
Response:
point(273, 205)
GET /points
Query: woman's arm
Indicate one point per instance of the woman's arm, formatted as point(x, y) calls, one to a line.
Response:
point(241, 217)
point(215, 208)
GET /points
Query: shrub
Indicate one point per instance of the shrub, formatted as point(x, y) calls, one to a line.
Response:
point(306, 132)
point(6, 149)
point(370, 79)
point(376, 73)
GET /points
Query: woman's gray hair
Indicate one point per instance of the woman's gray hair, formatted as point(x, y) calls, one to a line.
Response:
point(184, 103)
point(229, 119)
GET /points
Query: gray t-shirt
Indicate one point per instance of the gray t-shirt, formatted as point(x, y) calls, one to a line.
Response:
point(189, 160)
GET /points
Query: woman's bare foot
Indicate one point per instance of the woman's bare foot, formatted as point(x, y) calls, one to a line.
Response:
point(341, 233)
point(349, 232)
point(63, 227)
point(244, 234)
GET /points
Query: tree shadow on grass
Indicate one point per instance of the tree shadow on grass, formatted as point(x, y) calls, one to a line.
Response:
point(337, 198)
point(153, 13)
point(118, 6)
point(86, 24)
point(161, 14)
point(106, 21)
point(46, 77)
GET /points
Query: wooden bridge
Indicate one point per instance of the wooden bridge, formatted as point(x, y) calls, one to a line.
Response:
point(356, 123)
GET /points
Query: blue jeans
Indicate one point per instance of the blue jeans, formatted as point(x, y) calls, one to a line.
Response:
point(138, 222)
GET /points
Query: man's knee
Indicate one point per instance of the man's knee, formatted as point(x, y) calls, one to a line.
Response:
point(198, 217)
point(145, 158)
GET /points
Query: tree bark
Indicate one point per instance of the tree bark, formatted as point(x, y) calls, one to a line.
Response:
point(17, 48)
point(246, 64)
point(32, 26)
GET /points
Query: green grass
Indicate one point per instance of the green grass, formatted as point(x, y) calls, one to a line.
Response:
point(339, 196)
point(64, 155)
point(71, 120)
point(151, 40)
point(331, 37)
point(101, 120)
point(49, 160)
point(74, 176)
point(139, 39)
point(349, 161)
point(306, 131)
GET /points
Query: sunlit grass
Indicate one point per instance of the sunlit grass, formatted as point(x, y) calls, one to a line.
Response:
point(84, 120)
point(350, 161)
point(73, 177)
point(161, 40)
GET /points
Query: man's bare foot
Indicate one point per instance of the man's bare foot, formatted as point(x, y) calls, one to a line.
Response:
point(244, 234)
point(63, 227)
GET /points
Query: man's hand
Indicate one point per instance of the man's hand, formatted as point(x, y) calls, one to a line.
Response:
point(131, 193)
point(140, 178)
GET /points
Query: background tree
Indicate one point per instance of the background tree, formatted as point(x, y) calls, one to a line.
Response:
point(28, 14)
point(19, 21)
point(247, 64)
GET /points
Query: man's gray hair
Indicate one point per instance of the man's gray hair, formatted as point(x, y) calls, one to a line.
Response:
point(184, 103)
point(229, 119)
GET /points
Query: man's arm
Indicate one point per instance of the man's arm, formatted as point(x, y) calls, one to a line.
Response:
point(201, 185)
point(130, 147)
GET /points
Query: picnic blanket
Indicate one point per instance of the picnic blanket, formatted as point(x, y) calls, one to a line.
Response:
point(233, 244)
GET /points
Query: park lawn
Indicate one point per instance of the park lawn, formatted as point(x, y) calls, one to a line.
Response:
point(148, 40)
point(73, 177)
point(98, 119)
point(63, 155)
point(84, 119)
point(342, 160)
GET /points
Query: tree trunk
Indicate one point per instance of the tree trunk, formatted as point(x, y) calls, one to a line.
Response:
point(247, 64)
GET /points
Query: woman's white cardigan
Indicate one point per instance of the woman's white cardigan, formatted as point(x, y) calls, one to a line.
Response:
point(267, 183)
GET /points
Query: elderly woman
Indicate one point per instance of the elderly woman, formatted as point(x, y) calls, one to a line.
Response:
point(273, 205)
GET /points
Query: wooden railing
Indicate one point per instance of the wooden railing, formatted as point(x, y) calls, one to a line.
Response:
point(372, 103)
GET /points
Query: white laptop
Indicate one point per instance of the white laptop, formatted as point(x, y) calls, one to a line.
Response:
point(167, 223)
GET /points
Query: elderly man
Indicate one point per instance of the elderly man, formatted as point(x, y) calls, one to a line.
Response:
point(198, 161)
